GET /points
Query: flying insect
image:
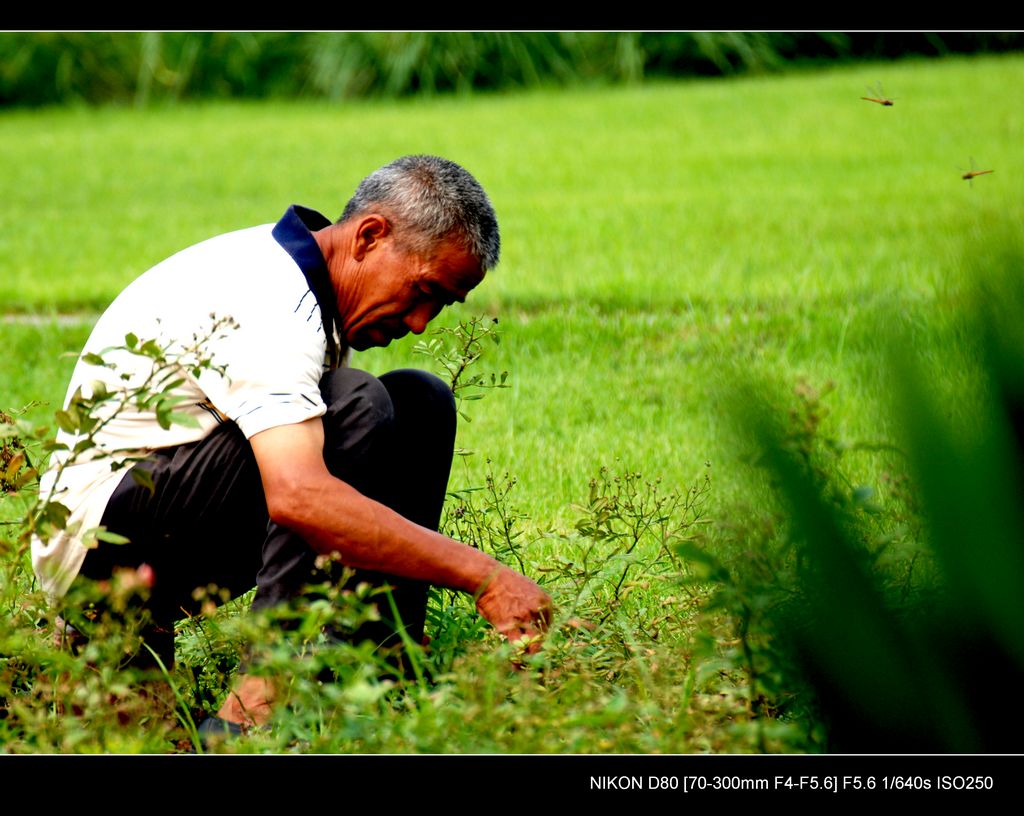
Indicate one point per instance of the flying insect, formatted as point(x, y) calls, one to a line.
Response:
point(878, 96)
point(970, 175)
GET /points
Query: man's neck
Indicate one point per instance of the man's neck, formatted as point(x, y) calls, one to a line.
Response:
point(335, 245)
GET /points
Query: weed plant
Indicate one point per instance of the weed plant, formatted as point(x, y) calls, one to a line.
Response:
point(616, 653)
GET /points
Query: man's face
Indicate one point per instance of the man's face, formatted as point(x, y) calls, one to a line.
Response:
point(402, 292)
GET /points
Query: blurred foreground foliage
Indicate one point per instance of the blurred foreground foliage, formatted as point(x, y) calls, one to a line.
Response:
point(47, 68)
point(891, 623)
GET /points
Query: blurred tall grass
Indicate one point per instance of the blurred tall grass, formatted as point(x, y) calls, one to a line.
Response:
point(901, 629)
point(47, 68)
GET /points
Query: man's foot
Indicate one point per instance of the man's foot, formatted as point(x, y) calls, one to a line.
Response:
point(249, 703)
point(213, 730)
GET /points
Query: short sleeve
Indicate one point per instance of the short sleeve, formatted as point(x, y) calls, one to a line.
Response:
point(272, 364)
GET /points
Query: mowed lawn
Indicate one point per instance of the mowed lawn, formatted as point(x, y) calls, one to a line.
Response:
point(660, 243)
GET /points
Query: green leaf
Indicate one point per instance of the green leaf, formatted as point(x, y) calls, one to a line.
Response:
point(26, 476)
point(151, 349)
point(144, 478)
point(102, 534)
point(66, 422)
point(54, 514)
point(131, 340)
point(170, 386)
point(171, 401)
point(185, 420)
point(14, 465)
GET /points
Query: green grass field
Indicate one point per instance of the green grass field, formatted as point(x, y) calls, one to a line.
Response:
point(660, 244)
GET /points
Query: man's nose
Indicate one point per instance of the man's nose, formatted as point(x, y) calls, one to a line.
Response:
point(416, 321)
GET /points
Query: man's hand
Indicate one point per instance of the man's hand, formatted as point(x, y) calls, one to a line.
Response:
point(515, 606)
point(334, 517)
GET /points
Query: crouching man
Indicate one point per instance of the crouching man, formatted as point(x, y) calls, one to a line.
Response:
point(286, 453)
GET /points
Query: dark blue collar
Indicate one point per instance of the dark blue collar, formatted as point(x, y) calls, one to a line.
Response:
point(294, 233)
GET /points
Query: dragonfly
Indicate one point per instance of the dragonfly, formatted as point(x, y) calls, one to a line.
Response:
point(878, 96)
point(970, 175)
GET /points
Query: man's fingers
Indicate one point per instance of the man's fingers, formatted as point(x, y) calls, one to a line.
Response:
point(517, 607)
point(526, 643)
point(523, 633)
point(518, 631)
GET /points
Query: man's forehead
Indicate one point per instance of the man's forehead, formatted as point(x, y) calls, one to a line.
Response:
point(456, 266)
point(468, 277)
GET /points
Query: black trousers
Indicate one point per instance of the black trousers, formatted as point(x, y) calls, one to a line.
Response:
point(206, 521)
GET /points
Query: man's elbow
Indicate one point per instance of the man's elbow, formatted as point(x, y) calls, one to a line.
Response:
point(291, 503)
point(281, 509)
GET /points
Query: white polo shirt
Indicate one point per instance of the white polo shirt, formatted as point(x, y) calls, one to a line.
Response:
point(263, 278)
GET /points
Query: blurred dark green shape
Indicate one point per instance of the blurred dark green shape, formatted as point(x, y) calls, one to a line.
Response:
point(938, 673)
point(97, 67)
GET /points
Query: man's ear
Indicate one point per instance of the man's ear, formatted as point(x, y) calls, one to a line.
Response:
point(370, 231)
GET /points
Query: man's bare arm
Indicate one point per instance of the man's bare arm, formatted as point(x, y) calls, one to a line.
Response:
point(334, 517)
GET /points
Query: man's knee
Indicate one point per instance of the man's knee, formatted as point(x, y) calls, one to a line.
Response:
point(343, 387)
point(373, 423)
point(359, 408)
point(415, 391)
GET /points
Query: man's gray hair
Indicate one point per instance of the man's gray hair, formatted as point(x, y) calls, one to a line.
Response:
point(431, 199)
